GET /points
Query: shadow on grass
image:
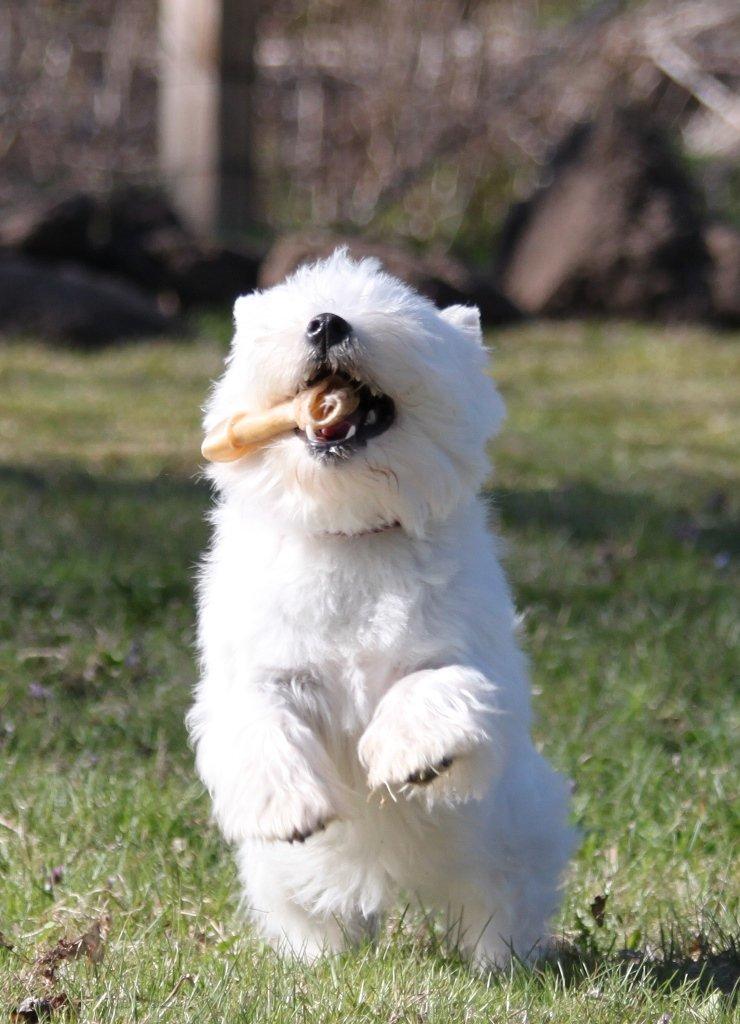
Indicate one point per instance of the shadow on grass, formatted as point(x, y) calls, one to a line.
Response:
point(97, 607)
point(112, 542)
point(101, 541)
point(581, 510)
point(585, 513)
point(704, 965)
point(671, 968)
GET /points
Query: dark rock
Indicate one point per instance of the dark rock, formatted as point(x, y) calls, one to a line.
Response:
point(618, 231)
point(63, 232)
point(723, 242)
point(441, 278)
point(69, 303)
point(137, 235)
point(206, 277)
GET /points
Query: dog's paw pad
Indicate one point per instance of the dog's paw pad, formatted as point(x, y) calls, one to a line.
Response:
point(424, 776)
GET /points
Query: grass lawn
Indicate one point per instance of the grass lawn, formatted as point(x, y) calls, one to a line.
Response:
point(616, 489)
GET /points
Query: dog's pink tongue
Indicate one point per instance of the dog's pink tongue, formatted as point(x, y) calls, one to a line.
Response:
point(335, 432)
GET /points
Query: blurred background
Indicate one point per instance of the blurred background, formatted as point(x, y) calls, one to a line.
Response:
point(561, 158)
point(570, 166)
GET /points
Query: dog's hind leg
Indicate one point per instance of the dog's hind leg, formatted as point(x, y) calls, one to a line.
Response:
point(280, 916)
point(497, 865)
point(504, 894)
point(476, 915)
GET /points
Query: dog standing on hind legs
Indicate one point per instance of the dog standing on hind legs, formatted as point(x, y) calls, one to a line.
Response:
point(362, 720)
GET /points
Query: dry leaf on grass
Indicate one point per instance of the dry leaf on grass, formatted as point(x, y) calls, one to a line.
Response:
point(10, 826)
point(698, 948)
point(186, 979)
point(597, 909)
point(36, 1008)
point(90, 945)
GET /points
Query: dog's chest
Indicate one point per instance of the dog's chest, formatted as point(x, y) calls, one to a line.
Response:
point(363, 599)
point(369, 605)
point(364, 622)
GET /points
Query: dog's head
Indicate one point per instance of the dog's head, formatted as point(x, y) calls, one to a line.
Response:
point(415, 446)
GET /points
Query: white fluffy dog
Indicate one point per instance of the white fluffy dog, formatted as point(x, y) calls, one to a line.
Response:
point(363, 719)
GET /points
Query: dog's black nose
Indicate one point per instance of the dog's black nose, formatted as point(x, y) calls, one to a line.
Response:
point(327, 329)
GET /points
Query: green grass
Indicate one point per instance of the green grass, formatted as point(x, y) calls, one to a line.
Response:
point(617, 492)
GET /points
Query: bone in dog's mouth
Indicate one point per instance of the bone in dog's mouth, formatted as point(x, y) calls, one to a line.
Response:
point(374, 414)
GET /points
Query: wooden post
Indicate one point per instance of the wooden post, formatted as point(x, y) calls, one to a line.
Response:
point(205, 112)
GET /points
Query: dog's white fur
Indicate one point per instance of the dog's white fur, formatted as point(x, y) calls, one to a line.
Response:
point(337, 662)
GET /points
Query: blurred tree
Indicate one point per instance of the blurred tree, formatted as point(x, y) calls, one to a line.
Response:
point(205, 124)
point(420, 119)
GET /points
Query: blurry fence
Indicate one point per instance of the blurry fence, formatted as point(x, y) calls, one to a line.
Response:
point(418, 117)
point(77, 96)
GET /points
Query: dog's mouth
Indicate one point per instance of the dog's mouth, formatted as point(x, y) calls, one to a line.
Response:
point(374, 414)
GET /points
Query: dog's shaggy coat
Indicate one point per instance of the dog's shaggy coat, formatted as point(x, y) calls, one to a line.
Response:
point(363, 717)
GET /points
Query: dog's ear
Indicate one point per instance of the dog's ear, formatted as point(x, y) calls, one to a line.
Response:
point(466, 319)
point(242, 309)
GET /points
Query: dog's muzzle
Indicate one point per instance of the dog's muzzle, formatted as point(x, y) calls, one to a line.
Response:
point(327, 330)
point(333, 353)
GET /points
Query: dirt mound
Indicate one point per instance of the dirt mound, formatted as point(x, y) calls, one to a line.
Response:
point(617, 231)
point(70, 303)
point(135, 235)
point(441, 278)
point(723, 242)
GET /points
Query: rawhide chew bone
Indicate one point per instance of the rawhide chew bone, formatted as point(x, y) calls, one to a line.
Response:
point(321, 406)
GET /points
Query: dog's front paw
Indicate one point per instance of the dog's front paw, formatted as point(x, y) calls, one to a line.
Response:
point(392, 764)
point(300, 837)
point(418, 747)
point(293, 815)
point(423, 776)
point(393, 758)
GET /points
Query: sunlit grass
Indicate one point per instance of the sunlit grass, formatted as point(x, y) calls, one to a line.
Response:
point(616, 491)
